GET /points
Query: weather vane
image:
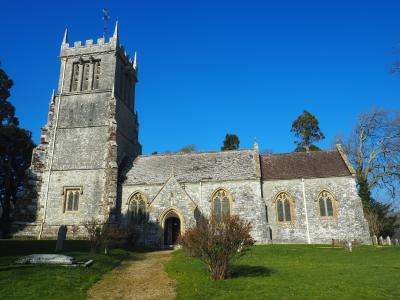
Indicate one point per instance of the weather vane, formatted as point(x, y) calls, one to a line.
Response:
point(105, 18)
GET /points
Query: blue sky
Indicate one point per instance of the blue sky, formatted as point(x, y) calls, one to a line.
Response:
point(212, 67)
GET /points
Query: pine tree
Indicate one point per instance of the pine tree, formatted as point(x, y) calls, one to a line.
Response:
point(231, 142)
point(306, 129)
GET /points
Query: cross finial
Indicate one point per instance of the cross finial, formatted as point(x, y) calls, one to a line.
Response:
point(105, 18)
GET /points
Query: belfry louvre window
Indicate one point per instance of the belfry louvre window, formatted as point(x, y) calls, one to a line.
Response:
point(96, 75)
point(221, 202)
point(75, 77)
point(86, 75)
point(284, 207)
point(86, 72)
point(71, 202)
point(326, 203)
point(137, 213)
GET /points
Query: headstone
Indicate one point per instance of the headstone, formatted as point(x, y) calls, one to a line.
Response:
point(62, 234)
point(396, 242)
point(380, 240)
point(374, 240)
point(388, 241)
point(349, 246)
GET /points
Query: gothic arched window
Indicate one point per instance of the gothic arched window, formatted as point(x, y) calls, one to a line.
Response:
point(326, 204)
point(284, 207)
point(221, 204)
point(137, 212)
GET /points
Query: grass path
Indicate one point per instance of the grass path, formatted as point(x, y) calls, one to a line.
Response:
point(137, 279)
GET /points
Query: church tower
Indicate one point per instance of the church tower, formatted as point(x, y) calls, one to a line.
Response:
point(90, 138)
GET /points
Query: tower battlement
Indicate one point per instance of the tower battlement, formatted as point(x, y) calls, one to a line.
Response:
point(101, 45)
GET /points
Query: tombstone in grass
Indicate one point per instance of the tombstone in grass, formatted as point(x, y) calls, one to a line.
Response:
point(374, 240)
point(388, 241)
point(396, 242)
point(381, 240)
point(62, 234)
point(348, 246)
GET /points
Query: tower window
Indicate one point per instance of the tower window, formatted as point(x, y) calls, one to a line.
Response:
point(71, 200)
point(96, 75)
point(75, 77)
point(86, 71)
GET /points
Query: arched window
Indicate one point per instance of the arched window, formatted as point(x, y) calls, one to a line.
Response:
point(71, 201)
point(284, 207)
point(327, 204)
point(221, 204)
point(137, 213)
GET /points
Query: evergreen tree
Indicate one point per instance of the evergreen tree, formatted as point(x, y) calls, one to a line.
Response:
point(231, 142)
point(15, 155)
point(306, 129)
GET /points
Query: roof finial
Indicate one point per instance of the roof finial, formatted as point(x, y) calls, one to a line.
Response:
point(65, 39)
point(135, 61)
point(105, 18)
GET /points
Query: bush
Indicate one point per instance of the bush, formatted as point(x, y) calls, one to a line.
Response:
point(217, 243)
point(107, 236)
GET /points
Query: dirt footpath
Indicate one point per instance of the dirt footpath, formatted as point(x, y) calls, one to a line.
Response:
point(137, 279)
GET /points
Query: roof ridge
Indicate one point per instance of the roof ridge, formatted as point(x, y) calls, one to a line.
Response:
point(193, 153)
point(298, 153)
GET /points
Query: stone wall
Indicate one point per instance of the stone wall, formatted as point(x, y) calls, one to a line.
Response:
point(349, 222)
point(186, 197)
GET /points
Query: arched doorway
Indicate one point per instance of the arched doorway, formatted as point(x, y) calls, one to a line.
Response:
point(172, 225)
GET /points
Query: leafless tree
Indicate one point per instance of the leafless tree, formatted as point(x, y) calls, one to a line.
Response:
point(374, 149)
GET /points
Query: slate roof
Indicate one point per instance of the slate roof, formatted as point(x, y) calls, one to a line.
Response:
point(193, 167)
point(312, 164)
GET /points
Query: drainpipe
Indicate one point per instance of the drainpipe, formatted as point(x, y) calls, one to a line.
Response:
point(52, 151)
point(201, 192)
point(305, 209)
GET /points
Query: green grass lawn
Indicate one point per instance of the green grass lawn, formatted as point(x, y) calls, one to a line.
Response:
point(295, 272)
point(52, 282)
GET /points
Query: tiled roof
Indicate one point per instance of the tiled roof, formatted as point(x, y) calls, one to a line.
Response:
point(303, 165)
point(193, 167)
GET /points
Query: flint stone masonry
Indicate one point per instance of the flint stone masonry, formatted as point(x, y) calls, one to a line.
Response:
point(91, 143)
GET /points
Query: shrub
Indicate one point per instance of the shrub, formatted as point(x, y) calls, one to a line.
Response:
point(106, 236)
point(217, 243)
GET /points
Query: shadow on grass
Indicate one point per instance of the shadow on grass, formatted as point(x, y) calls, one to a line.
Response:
point(250, 271)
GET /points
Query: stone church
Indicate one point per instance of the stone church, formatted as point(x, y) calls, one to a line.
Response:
point(89, 165)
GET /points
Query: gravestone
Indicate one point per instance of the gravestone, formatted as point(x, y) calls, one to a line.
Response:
point(374, 240)
point(396, 242)
point(381, 240)
point(62, 234)
point(388, 241)
point(349, 246)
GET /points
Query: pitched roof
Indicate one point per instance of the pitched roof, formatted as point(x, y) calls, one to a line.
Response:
point(193, 167)
point(303, 165)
